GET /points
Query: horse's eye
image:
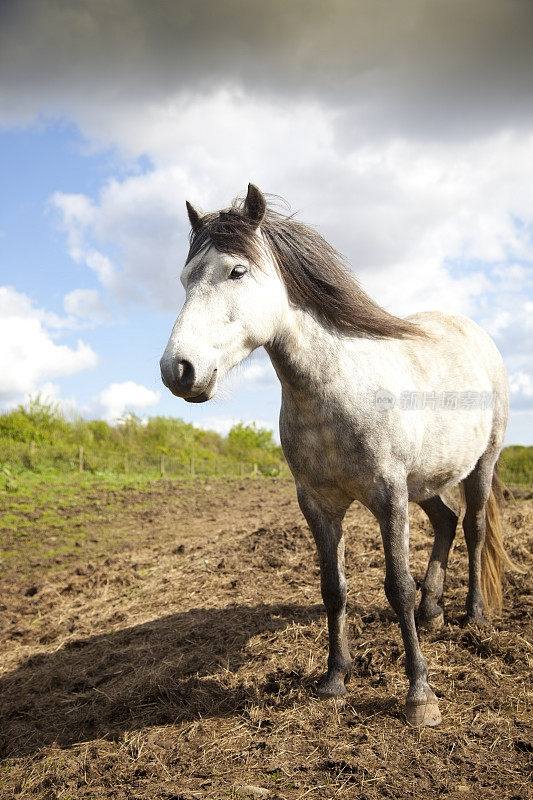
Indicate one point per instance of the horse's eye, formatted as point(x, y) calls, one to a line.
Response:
point(237, 272)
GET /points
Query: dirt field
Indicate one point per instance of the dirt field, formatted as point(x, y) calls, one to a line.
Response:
point(164, 641)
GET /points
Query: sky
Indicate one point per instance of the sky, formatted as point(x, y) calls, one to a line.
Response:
point(402, 130)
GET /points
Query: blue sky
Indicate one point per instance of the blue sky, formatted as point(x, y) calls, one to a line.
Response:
point(50, 156)
point(408, 145)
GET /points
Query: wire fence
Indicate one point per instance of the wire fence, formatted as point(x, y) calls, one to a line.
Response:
point(41, 458)
point(515, 469)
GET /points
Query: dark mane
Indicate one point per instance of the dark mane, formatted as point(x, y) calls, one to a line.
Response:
point(314, 273)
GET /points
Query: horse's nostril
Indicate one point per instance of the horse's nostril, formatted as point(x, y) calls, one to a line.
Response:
point(185, 373)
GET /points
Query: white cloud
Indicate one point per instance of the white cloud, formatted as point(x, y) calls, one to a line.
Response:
point(401, 212)
point(520, 383)
point(255, 374)
point(77, 213)
point(404, 136)
point(119, 398)
point(521, 386)
point(223, 425)
point(85, 304)
point(424, 225)
point(29, 356)
point(507, 314)
point(444, 69)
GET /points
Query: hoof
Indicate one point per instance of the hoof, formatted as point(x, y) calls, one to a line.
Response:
point(331, 687)
point(475, 619)
point(431, 623)
point(426, 712)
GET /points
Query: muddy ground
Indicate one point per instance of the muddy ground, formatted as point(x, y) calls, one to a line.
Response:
point(165, 640)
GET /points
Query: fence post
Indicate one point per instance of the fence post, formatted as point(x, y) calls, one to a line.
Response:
point(80, 458)
point(31, 457)
point(162, 465)
point(256, 471)
point(191, 466)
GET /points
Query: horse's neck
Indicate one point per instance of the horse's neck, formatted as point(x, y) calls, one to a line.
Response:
point(307, 355)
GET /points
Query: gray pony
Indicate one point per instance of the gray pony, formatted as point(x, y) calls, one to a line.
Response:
point(375, 408)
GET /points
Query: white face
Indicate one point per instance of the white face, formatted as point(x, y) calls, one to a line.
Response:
point(231, 308)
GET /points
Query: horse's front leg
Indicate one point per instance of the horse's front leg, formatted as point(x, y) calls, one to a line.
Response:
point(393, 516)
point(326, 526)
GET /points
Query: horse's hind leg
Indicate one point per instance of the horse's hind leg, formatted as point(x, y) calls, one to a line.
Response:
point(444, 522)
point(326, 527)
point(477, 487)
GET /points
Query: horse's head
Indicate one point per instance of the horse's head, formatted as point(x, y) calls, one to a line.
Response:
point(234, 299)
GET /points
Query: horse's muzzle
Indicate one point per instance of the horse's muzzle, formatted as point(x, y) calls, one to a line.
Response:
point(180, 377)
point(207, 393)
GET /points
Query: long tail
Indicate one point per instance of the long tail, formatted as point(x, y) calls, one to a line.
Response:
point(494, 559)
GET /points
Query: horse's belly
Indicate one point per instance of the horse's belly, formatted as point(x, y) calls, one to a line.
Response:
point(449, 453)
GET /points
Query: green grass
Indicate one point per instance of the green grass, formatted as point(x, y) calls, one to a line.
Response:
point(516, 466)
point(48, 517)
point(50, 514)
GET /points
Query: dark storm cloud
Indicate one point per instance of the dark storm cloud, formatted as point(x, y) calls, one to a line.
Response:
point(411, 67)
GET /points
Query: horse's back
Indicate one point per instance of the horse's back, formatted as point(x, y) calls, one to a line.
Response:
point(460, 360)
point(457, 356)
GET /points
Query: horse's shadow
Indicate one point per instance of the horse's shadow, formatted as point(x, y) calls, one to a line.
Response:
point(169, 670)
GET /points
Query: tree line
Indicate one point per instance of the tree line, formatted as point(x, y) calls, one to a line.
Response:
point(39, 436)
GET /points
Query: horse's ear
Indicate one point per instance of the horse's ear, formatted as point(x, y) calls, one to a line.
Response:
point(194, 216)
point(255, 204)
